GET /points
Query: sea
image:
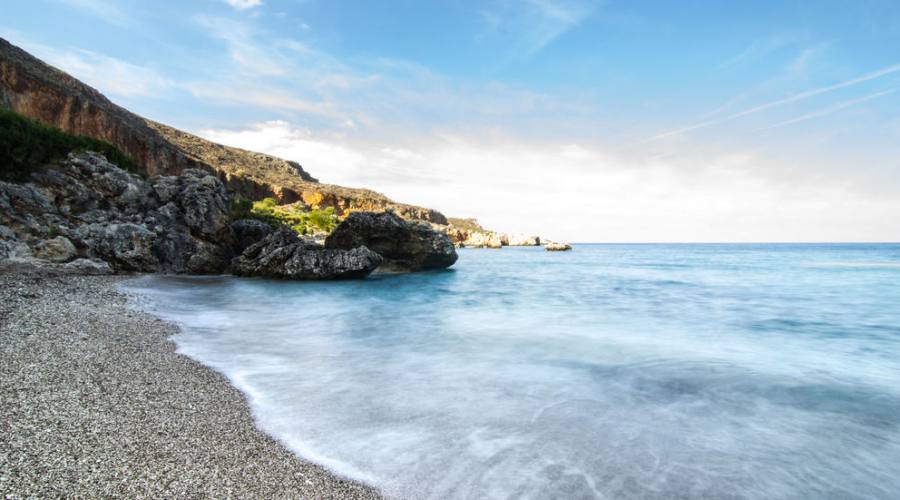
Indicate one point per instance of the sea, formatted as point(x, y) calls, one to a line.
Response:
point(635, 371)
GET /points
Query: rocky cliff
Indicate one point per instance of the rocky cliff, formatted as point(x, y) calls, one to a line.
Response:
point(36, 90)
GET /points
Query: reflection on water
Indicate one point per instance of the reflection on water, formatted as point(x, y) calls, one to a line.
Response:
point(616, 371)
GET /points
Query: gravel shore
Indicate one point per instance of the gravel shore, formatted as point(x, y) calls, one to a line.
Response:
point(97, 403)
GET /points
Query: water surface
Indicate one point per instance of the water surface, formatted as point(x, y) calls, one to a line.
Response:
point(612, 371)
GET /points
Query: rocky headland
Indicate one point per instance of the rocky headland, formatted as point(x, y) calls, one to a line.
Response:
point(151, 224)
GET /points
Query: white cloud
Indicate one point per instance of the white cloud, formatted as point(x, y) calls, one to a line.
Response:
point(110, 75)
point(583, 193)
point(244, 4)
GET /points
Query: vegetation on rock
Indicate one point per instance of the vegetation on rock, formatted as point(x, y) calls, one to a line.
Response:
point(26, 144)
point(296, 216)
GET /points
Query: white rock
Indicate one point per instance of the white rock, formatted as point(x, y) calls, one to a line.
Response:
point(557, 247)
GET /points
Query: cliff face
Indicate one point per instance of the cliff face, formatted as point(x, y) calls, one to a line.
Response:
point(38, 91)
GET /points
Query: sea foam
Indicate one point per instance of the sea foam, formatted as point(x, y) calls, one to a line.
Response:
point(612, 371)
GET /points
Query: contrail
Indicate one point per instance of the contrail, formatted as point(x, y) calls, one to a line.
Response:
point(831, 109)
point(794, 98)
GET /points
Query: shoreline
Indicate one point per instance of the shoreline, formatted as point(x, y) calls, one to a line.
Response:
point(97, 402)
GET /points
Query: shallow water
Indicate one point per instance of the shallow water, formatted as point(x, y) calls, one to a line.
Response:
point(612, 371)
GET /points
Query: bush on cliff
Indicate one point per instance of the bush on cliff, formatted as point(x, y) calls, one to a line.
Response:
point(303, 222)
point(26, 144)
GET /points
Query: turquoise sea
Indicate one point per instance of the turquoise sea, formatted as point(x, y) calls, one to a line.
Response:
point(612, 371)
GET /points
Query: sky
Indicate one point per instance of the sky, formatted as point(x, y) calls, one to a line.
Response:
point(578, 120)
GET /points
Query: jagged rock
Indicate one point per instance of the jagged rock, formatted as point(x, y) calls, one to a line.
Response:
point(11, 247)
point(405, 246)
point(524, 240)
point(23, 198)
point(557, 247)
point(282, 254)
point(89, 266)
point(169, 224)
point(204, 203)
point(483, 239)
point(128, 247)
point(58, 249)
point(247, 232)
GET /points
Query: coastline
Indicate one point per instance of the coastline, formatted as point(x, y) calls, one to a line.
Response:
point(97, 402)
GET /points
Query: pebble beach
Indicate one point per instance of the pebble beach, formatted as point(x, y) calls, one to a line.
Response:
point(97, 403)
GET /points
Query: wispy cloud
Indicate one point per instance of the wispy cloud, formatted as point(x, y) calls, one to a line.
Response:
point(832, 109)
point(780, 102)
point(103, 9)
point(760, 48)
point(244, 4)
point(111, 75)
point(530, 25)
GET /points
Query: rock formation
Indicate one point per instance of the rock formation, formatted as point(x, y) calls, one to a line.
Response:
point(405, 246)
point(282, 254)
point(524, 240)
point(87, 207)
point(557, 247)
point(469, 233)
point(95, 218)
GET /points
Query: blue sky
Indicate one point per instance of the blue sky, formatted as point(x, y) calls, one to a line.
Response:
point(577, 119)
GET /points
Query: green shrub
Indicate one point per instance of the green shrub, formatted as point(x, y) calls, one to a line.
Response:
point(241, 207)
point(26, 145)
point(268, 211)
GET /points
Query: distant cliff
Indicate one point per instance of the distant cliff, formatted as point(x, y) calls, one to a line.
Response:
point(36, 90)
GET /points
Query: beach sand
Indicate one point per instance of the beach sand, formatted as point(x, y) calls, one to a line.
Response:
point(97, 403)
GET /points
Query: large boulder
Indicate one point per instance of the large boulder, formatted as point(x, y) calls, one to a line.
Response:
point(89, 266)
point(58, 249)
point(128, 247)
point(284, 255)
point(248, 232)
point(405, 246)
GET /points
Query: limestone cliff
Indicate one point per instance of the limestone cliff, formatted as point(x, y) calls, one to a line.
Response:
point(36, 90)
point(469, 233)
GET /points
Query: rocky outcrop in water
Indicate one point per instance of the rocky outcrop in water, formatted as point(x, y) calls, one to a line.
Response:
point(557, 247)
point(524, 240)
point(468, 233)
point(405, 246)
point(284, 255)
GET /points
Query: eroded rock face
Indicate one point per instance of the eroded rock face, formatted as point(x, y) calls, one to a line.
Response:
point(247, 232)
point(284, 255)
point(483, 239)
point(405, 246)
point(170, 224)
point(524, 240)
point(58, 249)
